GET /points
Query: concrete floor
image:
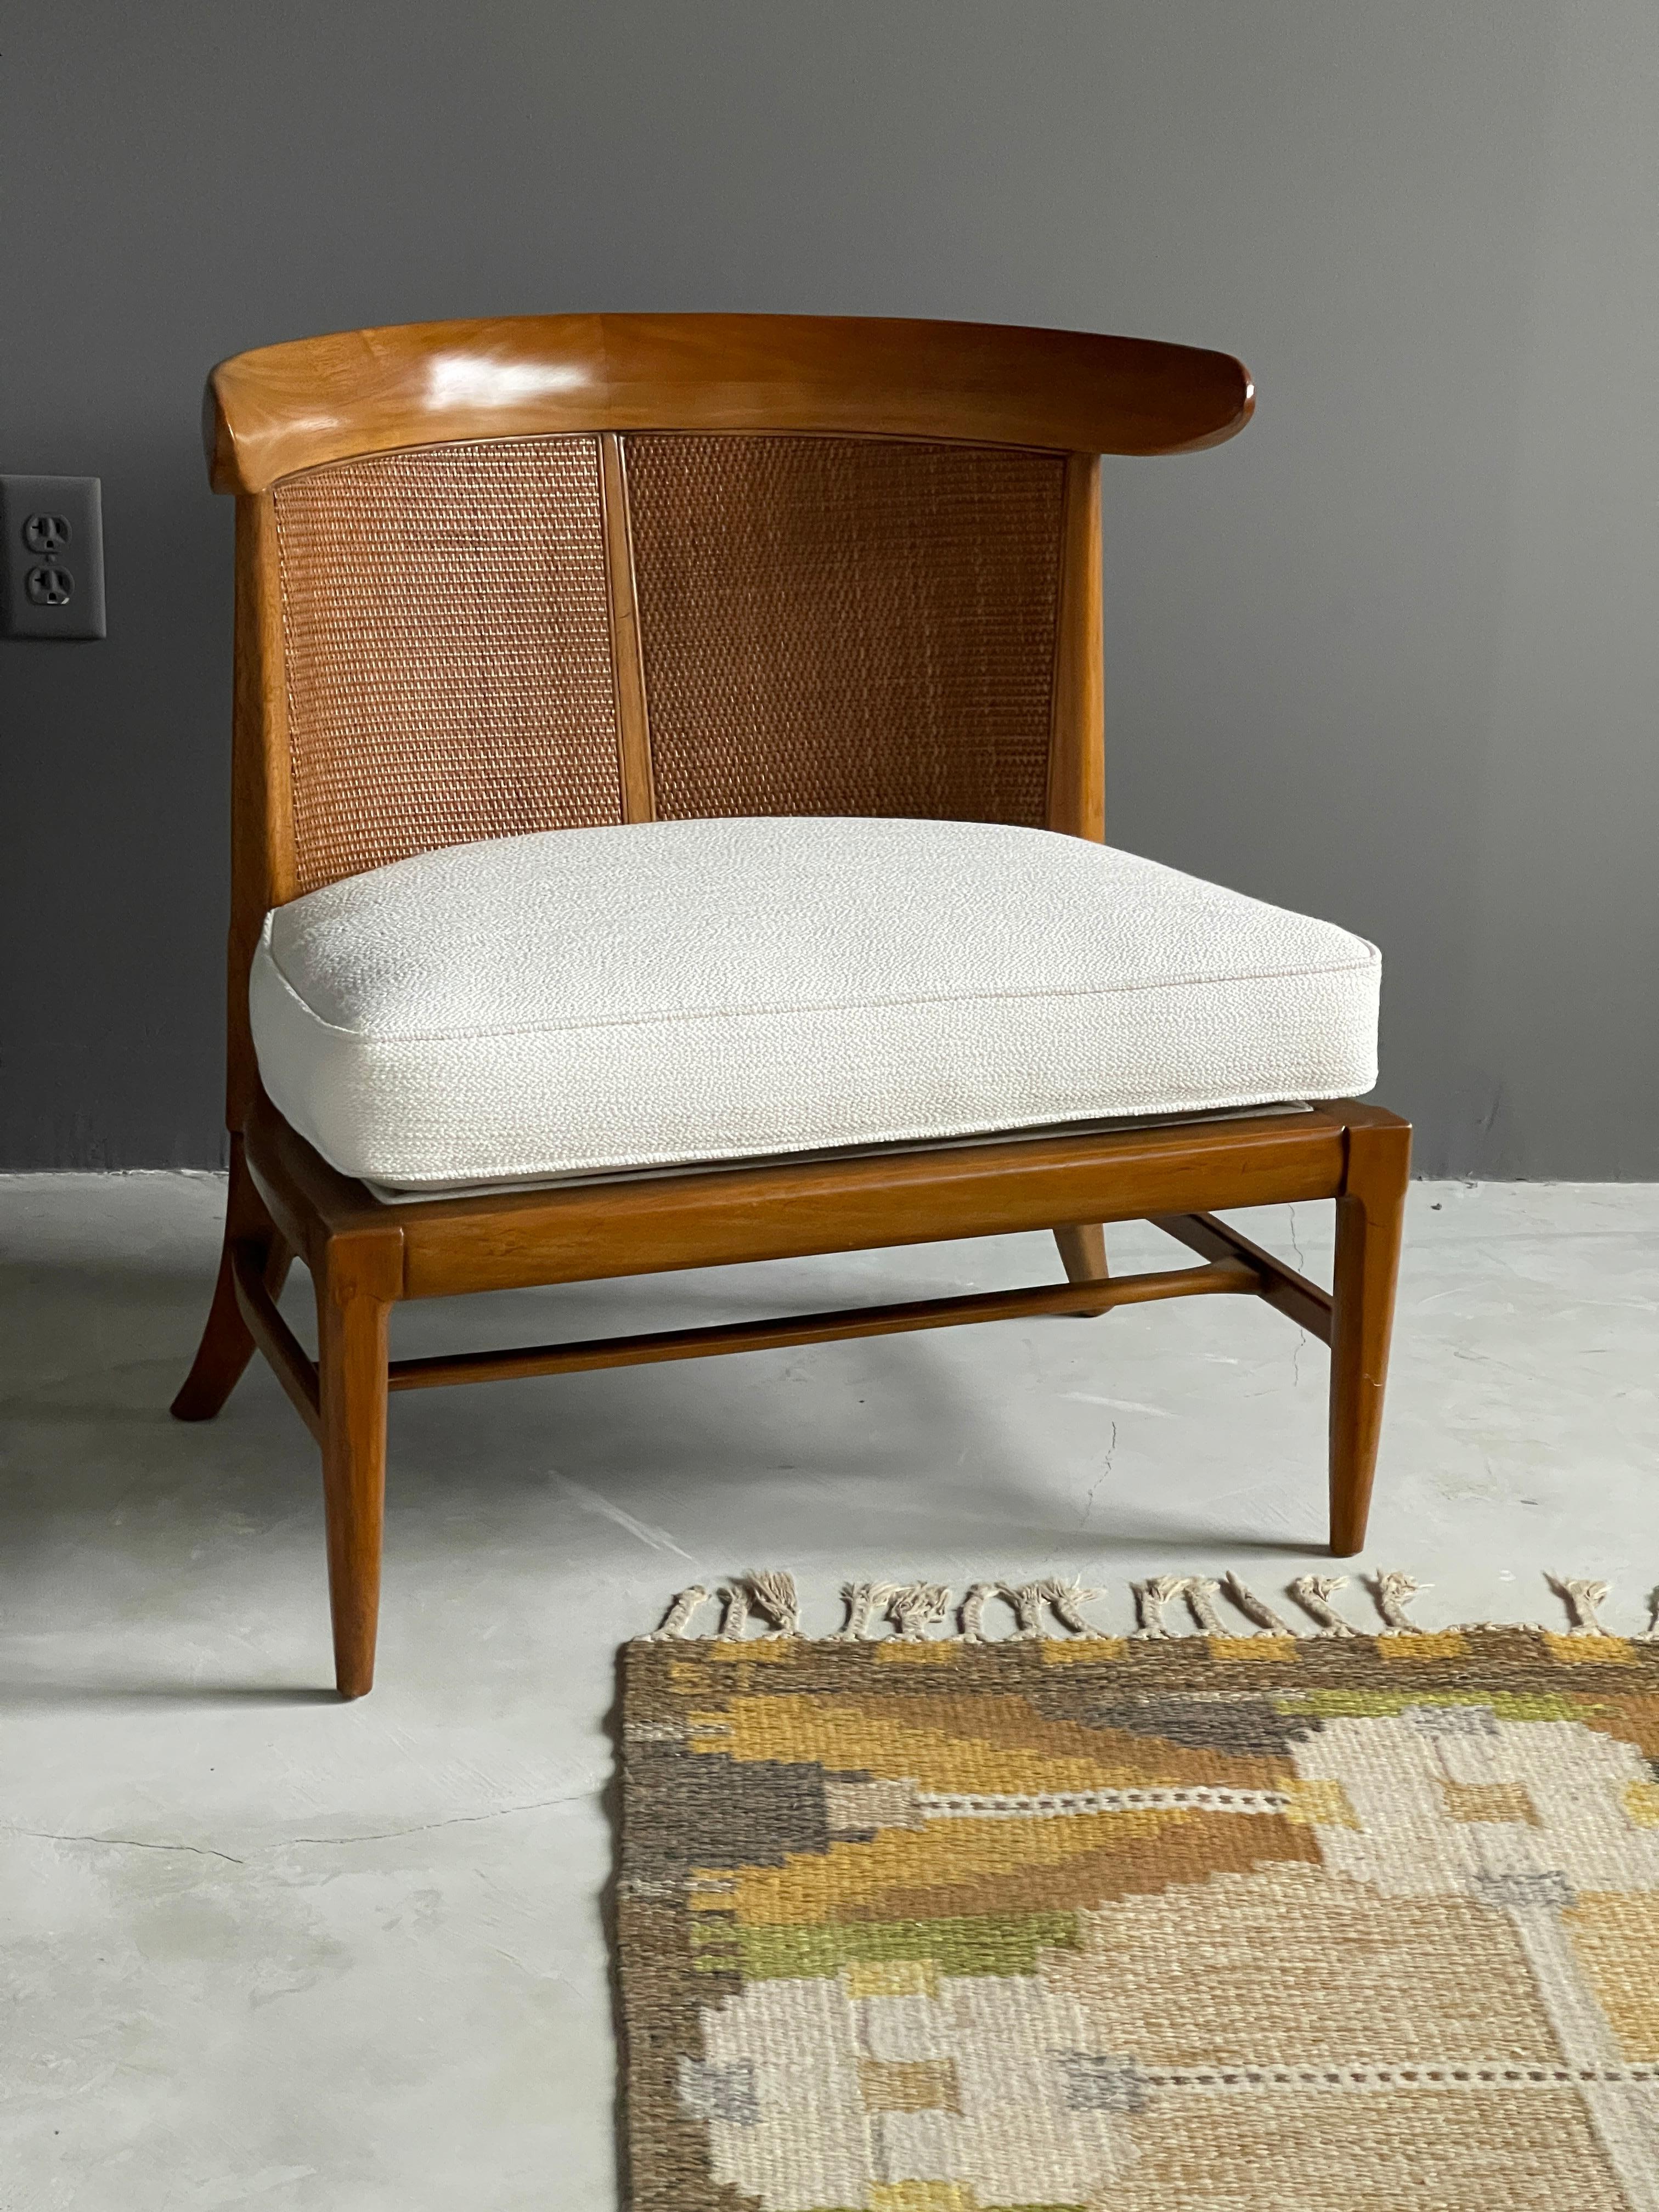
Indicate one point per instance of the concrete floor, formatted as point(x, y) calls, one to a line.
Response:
point(263, 1948)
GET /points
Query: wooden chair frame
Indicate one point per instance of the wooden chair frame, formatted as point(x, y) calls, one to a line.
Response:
point(287, 409)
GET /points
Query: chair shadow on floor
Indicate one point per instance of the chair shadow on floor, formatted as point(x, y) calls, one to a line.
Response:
point(35, 1697)
point(94, 1456)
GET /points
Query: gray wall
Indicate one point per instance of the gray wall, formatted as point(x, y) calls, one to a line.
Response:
point(1391, 656)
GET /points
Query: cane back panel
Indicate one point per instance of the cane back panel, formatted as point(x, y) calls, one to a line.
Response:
point(827, 625)
point(846, 625)
point(447, 639)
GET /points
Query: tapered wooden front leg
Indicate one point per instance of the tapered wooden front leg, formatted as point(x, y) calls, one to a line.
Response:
point(226, 1347)
point(1369, 1215)
point(1083, 1254)
point(355, 1286)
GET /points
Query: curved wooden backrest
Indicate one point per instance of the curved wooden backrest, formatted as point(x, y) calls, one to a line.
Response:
point(288, 407)
point(562, 570)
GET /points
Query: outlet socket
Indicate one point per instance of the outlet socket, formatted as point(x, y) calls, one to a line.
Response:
point(51, 557)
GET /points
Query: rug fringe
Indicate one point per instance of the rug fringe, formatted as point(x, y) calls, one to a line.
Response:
point(913, 1610)
point(1255, 1608)
point(1313, 1592)
point(1581, 1600)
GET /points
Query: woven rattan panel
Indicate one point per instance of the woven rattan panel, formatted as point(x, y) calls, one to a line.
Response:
point(846, 625)
point(447, 633)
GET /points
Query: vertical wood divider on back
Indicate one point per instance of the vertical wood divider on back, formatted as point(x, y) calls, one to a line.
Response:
point(262, 856)
point(1077, 743)
point(633, 725)
point(1077, 757)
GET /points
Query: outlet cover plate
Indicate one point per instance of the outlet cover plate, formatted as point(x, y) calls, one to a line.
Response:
point(51, 557)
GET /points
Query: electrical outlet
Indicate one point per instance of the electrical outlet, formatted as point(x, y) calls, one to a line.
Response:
point(51, 557)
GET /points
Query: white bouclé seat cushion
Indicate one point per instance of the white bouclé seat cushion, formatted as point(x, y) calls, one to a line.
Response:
point(584, 1000)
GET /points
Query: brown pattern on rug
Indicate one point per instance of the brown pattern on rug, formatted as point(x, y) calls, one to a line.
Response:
point(1175, 1925)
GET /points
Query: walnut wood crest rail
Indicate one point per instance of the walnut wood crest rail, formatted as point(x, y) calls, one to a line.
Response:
point(966, 457)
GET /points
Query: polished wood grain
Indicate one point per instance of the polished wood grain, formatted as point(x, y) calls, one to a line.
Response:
point(1077, 744)
point(355, 1286)
point(659, 1225)
point(284, 408)
point(283, 1351)
point(1370, 1216)
point(294, 407)
point(584, 1232)
point(1285, 1290)
point(1083, 1255)
point(310, 1201)
point(813, 1328)
point(261, 871)
point(437, 1248)
point(633, 723)
point(1076, 740)
point(228, 1343)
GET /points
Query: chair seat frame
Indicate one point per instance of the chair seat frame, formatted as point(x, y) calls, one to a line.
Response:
point(289, 408)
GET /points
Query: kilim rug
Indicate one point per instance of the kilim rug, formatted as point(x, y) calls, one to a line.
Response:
point(1242, 1918)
